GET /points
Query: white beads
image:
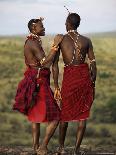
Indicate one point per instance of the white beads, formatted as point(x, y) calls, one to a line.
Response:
point(41, 62)
point(72, 31)
point(35, 36)
point(93, 60)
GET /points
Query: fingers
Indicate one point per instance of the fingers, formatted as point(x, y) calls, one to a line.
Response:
point(59, 104)
point(58, 38)
point(57, 95)
point(54, 48)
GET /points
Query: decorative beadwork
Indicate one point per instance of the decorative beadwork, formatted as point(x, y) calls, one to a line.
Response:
point(41, 62)
point(76, 46)
point(34, 36)
point(93, 60)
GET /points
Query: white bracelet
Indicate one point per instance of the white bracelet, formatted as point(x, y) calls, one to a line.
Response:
point(92, 61)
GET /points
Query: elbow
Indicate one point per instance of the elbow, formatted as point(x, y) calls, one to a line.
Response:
point(55, 68)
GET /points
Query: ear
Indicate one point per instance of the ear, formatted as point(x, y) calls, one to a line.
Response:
point(67, 24)
point(33, 26)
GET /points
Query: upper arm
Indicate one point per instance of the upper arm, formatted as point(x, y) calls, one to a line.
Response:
point(91, 55)
point(56, 58)
point(37, 51)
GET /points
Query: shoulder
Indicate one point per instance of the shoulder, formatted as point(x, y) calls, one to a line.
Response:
point(87, 40)
point(65, 38)
point(59, 37)
point(32, 43)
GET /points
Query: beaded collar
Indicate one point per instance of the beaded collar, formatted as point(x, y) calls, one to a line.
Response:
point(72, 31)
point(34, 36)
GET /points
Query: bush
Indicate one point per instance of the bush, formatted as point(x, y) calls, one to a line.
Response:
point(106, 113)
point(104, 132)
point(90, 132)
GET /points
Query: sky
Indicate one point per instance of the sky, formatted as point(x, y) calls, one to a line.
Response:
point(96, 15)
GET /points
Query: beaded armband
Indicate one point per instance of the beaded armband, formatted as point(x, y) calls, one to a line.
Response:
point(93, 60)
point(41, 62)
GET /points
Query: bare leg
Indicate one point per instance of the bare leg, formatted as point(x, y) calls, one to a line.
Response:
point(62, 133)
point(80, 134)
point(36, 135)
point(49, 133)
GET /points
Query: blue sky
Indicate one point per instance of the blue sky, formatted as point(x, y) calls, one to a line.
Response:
point(96, 15)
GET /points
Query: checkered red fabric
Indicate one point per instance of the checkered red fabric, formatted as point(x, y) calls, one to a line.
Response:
point(40, 107)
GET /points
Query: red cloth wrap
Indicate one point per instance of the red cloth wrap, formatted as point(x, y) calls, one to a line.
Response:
point(45, 108)
point(77, 93)
point(25, 91)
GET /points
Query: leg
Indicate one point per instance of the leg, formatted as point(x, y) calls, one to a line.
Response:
point(36, 135)
point(62, 133)
point(49, 133)
point(80, 134)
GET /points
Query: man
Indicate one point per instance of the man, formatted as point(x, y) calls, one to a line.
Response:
point(34, 96)
point(78, 80)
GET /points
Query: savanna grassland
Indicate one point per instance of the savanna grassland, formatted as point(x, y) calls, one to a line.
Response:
point(101, 128)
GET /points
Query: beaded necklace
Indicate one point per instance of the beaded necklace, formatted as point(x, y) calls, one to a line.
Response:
point(76, 46)
point(34, 36)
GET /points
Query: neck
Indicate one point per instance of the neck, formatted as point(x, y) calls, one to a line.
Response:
point(72, 30)
point(34, 36)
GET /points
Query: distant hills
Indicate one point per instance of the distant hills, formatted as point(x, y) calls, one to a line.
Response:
point(103, 34)
point(96, 34)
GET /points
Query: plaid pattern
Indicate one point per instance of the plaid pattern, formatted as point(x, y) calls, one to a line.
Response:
point(45, 109)
point(77, 93)
point(44, 106)
point(25, 90)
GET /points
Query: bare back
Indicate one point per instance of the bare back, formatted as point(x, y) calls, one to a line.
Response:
point(68, 47)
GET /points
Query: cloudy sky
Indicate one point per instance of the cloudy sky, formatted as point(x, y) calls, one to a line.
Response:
point(96, 15)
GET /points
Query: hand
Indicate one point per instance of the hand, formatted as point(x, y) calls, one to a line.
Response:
point(54, 48)
point(57, 94)
point(59, 104)
point(58, 38)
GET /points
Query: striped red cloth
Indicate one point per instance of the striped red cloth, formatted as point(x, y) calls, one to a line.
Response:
point(77, 93)
point(36, 102)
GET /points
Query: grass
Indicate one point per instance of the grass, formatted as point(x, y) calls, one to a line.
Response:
point(101, 127)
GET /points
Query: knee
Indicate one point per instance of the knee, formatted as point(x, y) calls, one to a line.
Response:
point(35, 126)
point(64, 124)
point(82, 124)
point(56, 123)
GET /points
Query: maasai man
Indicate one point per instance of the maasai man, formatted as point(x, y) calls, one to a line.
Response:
point(78, 80)
point(34, 96)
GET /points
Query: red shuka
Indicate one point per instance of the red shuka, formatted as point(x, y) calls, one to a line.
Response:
point(36, 102)
point(77, 93)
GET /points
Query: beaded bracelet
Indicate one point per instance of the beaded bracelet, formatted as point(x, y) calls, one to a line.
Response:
point(41, 62)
